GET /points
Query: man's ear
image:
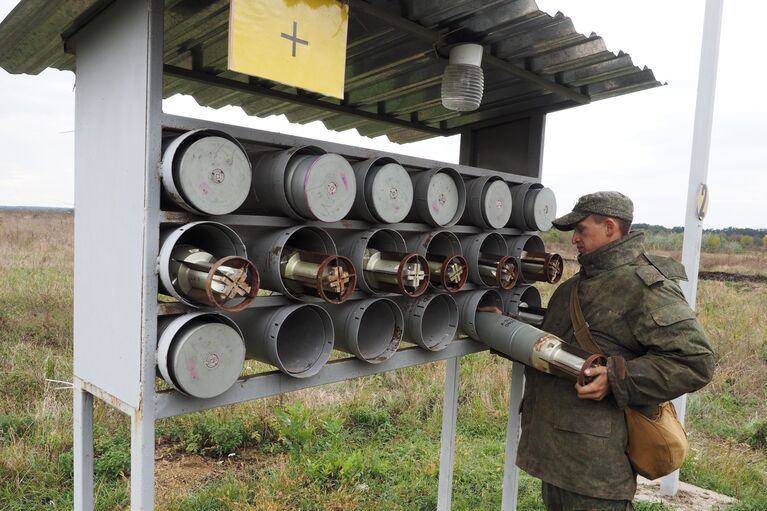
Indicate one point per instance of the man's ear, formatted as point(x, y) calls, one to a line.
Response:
point(611, 227)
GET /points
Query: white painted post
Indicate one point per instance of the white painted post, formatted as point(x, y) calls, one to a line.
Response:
point(82, 419)
point(447, 439)
point(513, 429)
point(701, 146)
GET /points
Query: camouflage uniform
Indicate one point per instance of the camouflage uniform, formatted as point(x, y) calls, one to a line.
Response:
point(657, 351)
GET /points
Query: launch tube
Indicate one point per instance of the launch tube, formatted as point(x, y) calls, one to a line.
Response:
point(448, 269)
point(205, 264)
point(369, 329)
point(533, 347)
point(297, 339)
point(384, 262)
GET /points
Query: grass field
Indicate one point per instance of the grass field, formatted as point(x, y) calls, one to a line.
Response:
point(368, 444)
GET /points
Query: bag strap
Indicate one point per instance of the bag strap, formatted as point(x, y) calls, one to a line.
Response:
point(580, 326)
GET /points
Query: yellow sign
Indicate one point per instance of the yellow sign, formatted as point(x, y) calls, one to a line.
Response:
point(301, 43)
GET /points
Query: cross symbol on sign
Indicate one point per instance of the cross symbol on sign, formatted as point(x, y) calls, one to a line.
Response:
point(294, 37)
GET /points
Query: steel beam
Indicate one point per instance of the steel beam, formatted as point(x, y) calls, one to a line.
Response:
point(82, 421)
point(169, 403)
point(447, 448)
point(513, 430)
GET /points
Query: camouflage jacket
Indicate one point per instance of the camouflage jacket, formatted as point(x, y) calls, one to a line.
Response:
point(657, 351)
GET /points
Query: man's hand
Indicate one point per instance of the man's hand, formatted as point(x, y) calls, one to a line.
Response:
point(599, 387)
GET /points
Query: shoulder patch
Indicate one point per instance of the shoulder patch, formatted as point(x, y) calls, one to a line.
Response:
point(668, 266)
point(649, 275)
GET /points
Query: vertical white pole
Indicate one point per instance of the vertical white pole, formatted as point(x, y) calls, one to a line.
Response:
point(513, 429)
point(701, 146)
point(447, 449)
point(82, 417)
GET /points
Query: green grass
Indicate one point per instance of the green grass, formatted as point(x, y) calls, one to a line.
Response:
point(367, 444)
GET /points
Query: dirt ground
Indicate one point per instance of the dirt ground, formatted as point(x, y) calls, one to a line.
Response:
point(689, 497)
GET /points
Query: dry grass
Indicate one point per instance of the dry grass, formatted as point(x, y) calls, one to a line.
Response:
point(35, 439)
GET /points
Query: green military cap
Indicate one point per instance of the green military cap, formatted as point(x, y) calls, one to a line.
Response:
point(612, 204)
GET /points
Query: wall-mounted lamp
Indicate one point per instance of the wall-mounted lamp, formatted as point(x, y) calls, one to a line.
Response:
point(463, 81)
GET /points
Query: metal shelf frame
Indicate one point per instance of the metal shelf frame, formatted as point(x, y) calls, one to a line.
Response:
point(119, 127)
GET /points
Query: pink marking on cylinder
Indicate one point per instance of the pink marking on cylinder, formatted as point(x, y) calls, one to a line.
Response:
point(191, 366)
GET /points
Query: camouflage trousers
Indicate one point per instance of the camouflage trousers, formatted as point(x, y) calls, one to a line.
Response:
point(557, 499)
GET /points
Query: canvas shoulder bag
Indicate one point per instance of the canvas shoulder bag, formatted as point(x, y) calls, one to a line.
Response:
point(656, 445)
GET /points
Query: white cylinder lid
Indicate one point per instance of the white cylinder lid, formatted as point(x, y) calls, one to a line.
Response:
point(544, 209)
point(207, 359)
point(327, 189)
point(392, 193)
point(497, 204)
point(443, 199)
point(214, 175)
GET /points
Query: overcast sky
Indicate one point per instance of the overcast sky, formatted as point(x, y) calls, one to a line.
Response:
point(638, 144)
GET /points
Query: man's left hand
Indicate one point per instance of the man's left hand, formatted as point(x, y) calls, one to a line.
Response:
point(599, 386)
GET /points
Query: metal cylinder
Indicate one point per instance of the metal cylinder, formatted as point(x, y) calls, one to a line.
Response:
point(386, 265)
point(371, 330)
point(302, 182)
point(489, 202)
point(439, 197)
point(431, 321)
point(297, 339)
point(206, 172)
point(536, 265)
point(384, 191)
point(522, 295)
point(534, 207)
point(205, 264)
point(302, 261)
point(200, 354)
point(468, 302)
point(533, 347)
point(489, 262)
point(448, 269)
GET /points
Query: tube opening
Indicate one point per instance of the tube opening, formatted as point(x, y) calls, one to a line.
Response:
point(380, 331)
point(302, 341)
point(438, 323)
point(531, 297)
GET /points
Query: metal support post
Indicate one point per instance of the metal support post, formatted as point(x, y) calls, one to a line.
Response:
point(447, 450)
point(513, 429)
point(142, 461)
point(701, 146)
point(82, 418)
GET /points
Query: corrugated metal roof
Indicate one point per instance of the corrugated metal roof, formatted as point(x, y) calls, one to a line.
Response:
point(534, 62)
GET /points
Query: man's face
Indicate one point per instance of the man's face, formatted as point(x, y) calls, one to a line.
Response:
point(589, 236)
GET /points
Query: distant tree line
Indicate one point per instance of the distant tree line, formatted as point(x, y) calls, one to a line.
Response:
point(658, 237)
point(730, 239)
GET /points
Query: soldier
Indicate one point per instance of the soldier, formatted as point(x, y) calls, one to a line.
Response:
point(575, 440)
